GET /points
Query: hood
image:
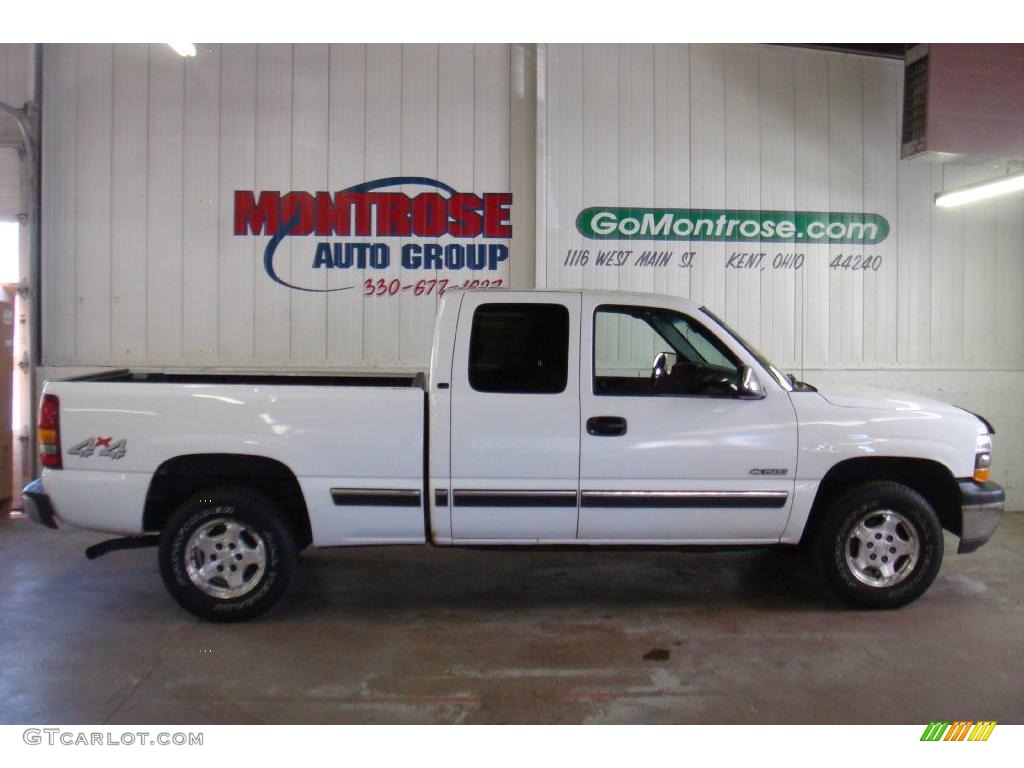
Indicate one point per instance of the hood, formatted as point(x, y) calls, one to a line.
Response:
point(886, 400)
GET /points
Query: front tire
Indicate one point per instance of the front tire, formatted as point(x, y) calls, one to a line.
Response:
point(879, 545)
point(227, 554)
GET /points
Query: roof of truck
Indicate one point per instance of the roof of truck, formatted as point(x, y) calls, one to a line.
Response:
point(612, 297)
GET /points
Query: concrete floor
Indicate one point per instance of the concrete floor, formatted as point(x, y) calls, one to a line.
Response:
point(415, 635)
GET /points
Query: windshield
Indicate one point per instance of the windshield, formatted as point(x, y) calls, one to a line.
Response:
point(779, 376)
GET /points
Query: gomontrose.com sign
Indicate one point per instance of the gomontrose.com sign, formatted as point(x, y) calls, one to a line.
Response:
point(613, 223)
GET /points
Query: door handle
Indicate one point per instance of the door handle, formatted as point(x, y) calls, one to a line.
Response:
point(606, 426)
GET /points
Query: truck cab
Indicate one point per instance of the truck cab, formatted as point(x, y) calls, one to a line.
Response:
point(604, 419)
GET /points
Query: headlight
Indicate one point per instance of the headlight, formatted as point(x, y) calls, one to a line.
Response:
point(982, 458)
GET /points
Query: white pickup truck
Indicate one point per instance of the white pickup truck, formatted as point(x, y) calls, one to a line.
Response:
point(546, 419)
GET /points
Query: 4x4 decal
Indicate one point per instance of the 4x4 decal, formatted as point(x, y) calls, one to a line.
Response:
point(101, 446)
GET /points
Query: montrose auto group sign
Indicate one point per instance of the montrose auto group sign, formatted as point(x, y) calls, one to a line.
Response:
point(366, 215)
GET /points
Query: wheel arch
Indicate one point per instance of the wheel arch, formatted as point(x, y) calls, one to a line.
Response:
point(930, 478)
point(183, 476)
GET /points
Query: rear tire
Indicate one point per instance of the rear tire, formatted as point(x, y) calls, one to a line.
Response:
point(226, 554)
point(879, 545)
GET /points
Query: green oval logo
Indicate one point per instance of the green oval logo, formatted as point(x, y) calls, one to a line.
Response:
point(619, 223)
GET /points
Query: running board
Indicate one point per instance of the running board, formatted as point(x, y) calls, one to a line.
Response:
point(129, 542)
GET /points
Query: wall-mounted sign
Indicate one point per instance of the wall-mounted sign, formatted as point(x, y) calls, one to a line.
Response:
point(365, 217)
point(701, 224)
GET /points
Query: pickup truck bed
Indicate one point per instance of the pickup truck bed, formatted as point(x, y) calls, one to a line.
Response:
point(341, 434)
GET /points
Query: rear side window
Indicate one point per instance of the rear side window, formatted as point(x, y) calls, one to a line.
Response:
point(520, 348)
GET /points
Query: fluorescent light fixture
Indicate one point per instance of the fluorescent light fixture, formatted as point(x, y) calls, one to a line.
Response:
point(184, 49)
point(1004, 185)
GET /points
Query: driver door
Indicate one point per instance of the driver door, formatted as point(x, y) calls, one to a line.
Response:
point(669, 452)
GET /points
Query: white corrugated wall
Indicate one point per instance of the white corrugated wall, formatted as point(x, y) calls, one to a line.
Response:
point(143, 150)
point(747, 127)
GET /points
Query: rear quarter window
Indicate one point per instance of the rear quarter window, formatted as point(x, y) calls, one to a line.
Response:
point(519, 348)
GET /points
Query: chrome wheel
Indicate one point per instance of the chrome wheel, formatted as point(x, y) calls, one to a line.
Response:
point(225, 558)
point(882, 548)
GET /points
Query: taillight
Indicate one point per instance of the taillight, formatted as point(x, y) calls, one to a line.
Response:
point(48, 432)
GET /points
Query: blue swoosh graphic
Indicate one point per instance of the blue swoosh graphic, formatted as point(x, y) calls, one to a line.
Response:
point(367, 186)
point(394, 181)
point(268, 259)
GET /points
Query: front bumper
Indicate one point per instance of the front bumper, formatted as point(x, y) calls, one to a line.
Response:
point(37, 504)
point(982, 504)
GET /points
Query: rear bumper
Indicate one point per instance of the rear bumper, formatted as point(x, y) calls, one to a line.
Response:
point(982, 505)
point(37, 504)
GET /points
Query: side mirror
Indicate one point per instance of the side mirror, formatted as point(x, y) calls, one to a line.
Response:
point(659, 365)
point(663, 364)
point(750, 386)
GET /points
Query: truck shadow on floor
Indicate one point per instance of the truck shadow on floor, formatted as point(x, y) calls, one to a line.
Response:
point(378, 582)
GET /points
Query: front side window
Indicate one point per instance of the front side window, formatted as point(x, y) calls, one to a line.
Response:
point(644, 351)
point(520, 348)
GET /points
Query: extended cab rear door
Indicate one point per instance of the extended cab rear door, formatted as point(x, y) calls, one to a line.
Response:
point(515, 421)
